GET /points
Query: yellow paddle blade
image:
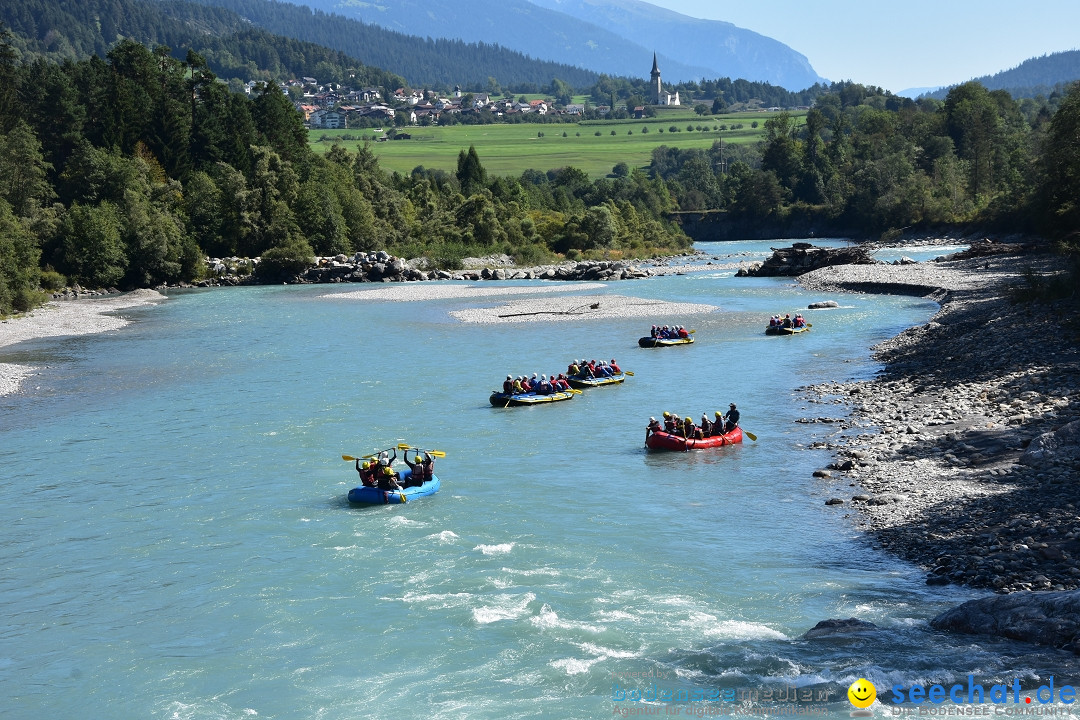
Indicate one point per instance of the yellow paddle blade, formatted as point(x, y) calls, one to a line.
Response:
point(403, 446)
point(348, 458)
point(575, 391)
point(750, 435)
point(627, 372)
point(693, 331)
point(433, 453)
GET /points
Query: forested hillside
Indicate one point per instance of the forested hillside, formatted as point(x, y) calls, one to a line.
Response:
point(333, 49)
point(1033, 77)
point(610, 38)
point(225, 33)
point(421, 61)
point(126, 171)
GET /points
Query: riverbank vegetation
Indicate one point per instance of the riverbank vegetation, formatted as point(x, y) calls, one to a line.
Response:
point(127, 171)
point(873, 165)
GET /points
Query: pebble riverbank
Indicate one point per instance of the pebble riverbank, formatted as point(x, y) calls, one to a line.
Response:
point(936, 454)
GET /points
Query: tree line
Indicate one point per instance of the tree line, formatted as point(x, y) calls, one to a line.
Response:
point(872, 164)
point(128, 170)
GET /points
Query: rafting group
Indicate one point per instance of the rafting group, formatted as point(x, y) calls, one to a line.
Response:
point(786, 325)
point(582, 370)
point(687, 429)
point(666, 335)
point(523, 385)
point(378, 472)
point(670, 332)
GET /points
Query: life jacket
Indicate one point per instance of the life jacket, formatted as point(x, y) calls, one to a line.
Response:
point(508, 387)
point(615, 369)
point(683, 334)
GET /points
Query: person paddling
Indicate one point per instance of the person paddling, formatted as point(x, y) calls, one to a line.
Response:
point(732, 418)
point(367, 477)
point(652, 427)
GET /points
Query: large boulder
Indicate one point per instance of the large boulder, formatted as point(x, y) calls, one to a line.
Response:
point(1062, 444)
point(840, 628)
point(1043, 618)
point(803, 257)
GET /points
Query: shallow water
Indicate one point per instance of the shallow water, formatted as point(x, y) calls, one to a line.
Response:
point(177, 541)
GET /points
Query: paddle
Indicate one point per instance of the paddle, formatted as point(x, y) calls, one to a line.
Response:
point(575, 391)
point(350, 458)
point(750, 435)
point(433, 453)
point(627, 372)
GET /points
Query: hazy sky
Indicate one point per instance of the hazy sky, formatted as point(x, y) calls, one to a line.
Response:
point(901, 45)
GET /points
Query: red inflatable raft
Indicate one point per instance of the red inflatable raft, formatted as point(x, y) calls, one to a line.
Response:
point(666, 441)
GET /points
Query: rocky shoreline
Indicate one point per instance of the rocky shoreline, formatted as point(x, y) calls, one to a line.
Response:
point(945, 445)
point(382, 267)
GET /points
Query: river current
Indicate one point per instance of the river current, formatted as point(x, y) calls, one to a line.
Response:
point(177, 542)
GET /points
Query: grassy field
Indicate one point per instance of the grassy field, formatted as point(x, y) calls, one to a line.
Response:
point(594, 146)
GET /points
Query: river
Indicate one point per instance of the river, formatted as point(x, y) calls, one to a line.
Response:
point(177, 542)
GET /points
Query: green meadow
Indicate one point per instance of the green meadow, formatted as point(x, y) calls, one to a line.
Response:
point(594, 146)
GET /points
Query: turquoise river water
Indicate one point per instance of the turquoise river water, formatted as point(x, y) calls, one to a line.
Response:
point(177, 543)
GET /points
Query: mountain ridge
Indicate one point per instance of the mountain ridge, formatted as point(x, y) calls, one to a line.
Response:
point(1034, 76)
point(728, 50)
point(550, 34)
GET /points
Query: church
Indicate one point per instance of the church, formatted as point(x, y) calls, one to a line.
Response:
point(659, 97)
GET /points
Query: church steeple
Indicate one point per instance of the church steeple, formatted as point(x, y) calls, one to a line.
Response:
point(654, 83)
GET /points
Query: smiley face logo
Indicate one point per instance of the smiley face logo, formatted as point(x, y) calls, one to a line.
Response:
point(862, 693)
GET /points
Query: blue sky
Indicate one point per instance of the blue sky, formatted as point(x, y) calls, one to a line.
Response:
point(901, 45)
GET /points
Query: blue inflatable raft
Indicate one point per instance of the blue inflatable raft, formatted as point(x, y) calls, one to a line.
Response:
point(374, 496)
